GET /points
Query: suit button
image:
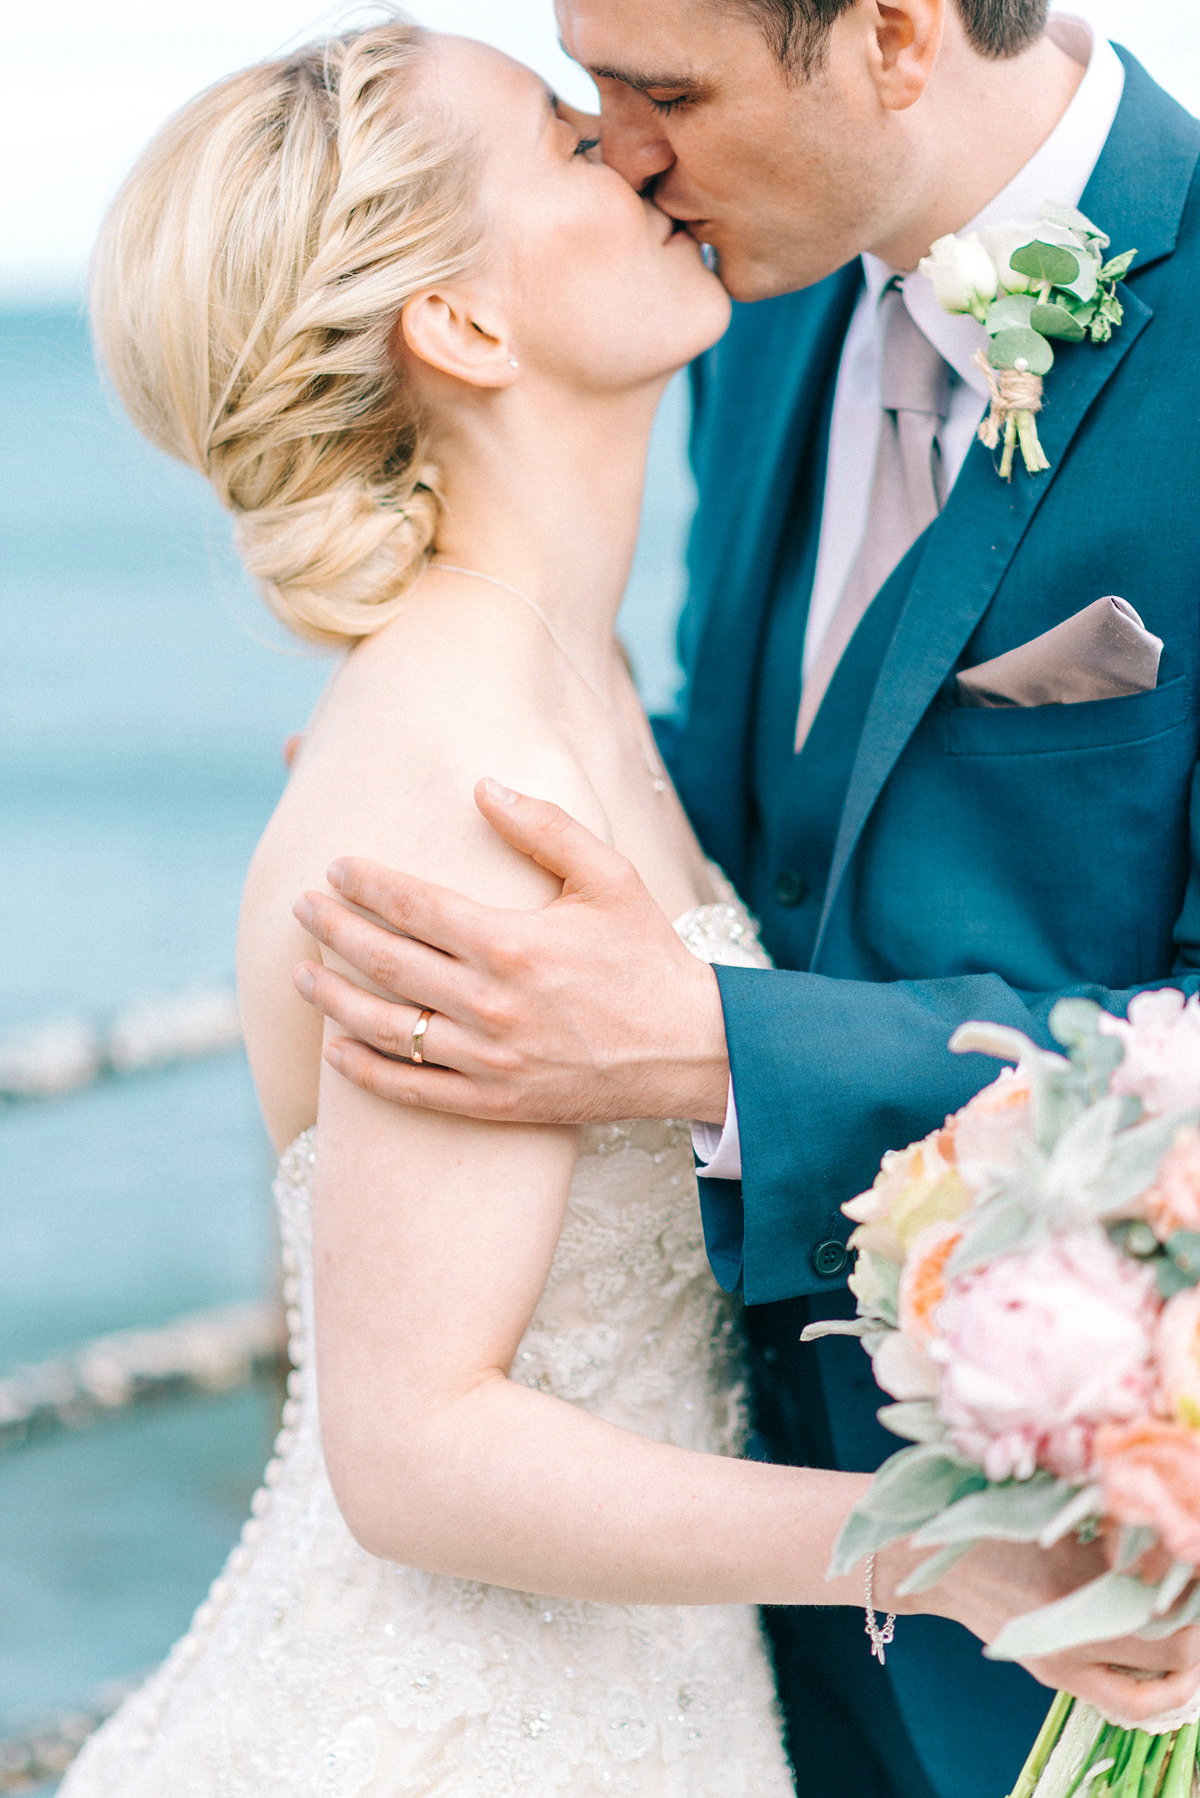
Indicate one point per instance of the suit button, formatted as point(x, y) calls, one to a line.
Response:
point(791, 889)
point(829, 1257)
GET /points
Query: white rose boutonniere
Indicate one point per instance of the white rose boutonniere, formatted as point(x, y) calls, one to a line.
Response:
point(1028, 284)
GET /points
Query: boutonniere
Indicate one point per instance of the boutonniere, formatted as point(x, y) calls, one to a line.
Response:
point(1028, 284)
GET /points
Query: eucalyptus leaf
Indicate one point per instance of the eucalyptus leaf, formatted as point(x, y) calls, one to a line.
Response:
point(1010, 310)
point(1021, 344)
point(1086, 284)
point(1057, 213)
point(1017, 1511)
point(1184, 1249)
point(915, 1419)
point(934, 1570)
point(1113, 1605)
point(1170, 1280)
point(1040, 261)
point(1119, 267)
point(1134, 1238)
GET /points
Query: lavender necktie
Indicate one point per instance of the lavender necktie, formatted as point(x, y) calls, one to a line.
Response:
point(906, 489)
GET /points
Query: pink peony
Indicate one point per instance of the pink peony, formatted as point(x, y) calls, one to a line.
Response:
point(1178, 1346)
point(1150, 1472)
point(1161, 1038)
point(1039, 1348)
point(1173, 1202)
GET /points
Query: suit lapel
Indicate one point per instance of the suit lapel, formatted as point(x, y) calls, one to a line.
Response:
point(965, 554)
point(769, 388)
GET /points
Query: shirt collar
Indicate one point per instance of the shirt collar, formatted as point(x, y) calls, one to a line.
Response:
point(1059, 170)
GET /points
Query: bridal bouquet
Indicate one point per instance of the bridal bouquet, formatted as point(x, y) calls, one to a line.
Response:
point(1028, 1287)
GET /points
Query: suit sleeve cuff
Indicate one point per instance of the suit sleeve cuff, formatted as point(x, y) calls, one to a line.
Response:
point(719, 1152)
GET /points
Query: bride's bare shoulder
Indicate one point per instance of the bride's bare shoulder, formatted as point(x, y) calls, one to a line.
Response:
point(452, 690)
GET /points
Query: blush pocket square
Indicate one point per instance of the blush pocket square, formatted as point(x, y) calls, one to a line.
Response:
point(1101, 653)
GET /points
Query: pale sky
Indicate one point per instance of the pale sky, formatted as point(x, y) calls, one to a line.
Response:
point(89, 80)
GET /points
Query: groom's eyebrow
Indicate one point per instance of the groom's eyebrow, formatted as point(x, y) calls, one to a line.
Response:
point(644, 81)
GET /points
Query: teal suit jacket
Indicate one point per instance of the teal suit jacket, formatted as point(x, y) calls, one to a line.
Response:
point(951, 863)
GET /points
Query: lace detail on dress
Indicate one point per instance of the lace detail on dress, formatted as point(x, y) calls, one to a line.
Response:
point(313, 1668)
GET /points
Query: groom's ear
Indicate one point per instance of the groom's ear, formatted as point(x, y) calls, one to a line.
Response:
point(449, 330)
point(908, 36)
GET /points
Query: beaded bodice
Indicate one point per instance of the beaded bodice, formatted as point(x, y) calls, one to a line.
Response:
point(330, 1672)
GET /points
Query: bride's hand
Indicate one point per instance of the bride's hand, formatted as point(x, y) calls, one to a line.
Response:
point(590, 1009)
point(1126, 1678)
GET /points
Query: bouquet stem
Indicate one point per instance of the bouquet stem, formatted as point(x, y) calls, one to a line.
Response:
point(1078, 1755)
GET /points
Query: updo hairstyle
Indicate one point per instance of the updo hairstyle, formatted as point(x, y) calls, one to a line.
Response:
point(245, 289)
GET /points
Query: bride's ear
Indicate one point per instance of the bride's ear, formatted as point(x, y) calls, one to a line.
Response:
point(447, 331)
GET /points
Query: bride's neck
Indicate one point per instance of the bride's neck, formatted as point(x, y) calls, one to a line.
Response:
point(544, 491)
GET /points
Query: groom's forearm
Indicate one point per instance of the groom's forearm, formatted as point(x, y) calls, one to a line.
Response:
point(828, 1074)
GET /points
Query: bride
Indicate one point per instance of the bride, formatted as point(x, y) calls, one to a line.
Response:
point(396, 309)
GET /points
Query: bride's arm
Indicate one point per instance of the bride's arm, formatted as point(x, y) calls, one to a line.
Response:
point(434, 1234)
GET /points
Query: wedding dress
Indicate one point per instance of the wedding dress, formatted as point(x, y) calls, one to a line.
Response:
point(314, 1670)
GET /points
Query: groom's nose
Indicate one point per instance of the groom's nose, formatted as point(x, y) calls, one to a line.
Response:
point(632, 137)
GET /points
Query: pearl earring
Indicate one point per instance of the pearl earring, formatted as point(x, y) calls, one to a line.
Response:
point(513, 363)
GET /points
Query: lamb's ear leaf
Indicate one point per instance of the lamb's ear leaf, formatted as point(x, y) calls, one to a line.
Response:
point(1182, 1616)
point(998, 1040)
point(915, 1419)
point(835, 1326)
point(861, 1536)
point(1000, 1227)
point(1113, 1605)
point(1017, 1511)
point(917, 1483)
point(930, 1572)
point(909, 1489)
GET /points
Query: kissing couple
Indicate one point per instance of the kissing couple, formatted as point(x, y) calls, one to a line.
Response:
point(551, 1435)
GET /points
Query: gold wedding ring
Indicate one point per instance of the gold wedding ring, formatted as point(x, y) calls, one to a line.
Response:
point(417, 1052)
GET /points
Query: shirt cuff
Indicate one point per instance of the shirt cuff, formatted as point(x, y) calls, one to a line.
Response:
point(719, 1152)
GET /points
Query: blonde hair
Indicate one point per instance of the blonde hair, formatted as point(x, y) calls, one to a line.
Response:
point(245, 289)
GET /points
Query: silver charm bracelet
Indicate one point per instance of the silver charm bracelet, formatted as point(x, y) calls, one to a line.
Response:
point(881, 1634)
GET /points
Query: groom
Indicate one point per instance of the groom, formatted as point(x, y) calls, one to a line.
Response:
point(916, 860)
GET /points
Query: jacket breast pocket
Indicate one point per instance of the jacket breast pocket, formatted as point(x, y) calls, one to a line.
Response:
point(1041, 730)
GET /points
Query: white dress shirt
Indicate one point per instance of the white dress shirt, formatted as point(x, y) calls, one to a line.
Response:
point(1059, 170)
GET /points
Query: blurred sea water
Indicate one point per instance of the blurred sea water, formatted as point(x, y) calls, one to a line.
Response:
point(144, 698)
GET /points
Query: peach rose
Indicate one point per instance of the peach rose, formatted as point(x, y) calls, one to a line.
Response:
point(993, 1125)
point(915, 1187)
point(1178, 1354)
point(923, 1282)
point(1150, 1472)
point(1173, 1202)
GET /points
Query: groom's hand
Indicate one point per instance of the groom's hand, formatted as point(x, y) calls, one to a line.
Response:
point(591, 1009)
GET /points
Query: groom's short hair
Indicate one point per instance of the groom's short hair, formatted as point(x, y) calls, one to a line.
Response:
point(798, 30)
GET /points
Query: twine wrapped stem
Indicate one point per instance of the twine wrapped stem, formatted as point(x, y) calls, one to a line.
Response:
point(1016, 396)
